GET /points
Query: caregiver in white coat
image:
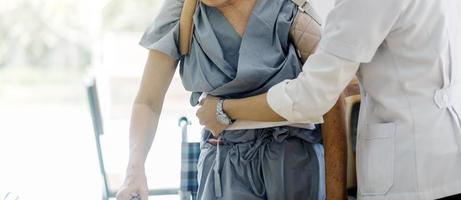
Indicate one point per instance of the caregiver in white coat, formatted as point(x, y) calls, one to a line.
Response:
point(407, 56)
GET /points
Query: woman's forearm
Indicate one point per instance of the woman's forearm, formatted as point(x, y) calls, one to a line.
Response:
point(147, 106)
point(144, 121)
point(253, 108)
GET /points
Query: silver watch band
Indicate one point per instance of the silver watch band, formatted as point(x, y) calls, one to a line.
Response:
point(221, 116)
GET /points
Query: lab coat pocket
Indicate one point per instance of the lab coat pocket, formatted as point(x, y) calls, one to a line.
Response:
point(375, 164)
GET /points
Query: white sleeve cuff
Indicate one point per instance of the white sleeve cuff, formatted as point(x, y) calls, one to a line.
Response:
point(282, 104)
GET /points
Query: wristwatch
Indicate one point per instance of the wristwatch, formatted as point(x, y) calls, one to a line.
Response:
point(221, 116)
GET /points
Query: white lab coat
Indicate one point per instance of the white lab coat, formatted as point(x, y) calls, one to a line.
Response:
point(407, 56)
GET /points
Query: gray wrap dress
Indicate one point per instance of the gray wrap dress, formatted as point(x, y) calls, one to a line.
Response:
point(270, 163)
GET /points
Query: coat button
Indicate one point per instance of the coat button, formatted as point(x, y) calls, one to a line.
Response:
point(445, 98)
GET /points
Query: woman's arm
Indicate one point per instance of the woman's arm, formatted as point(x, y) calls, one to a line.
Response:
point(157, 76)
point(255, 108)
point(158, 72)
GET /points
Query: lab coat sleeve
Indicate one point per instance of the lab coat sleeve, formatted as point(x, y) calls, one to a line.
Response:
point(354, 29)
point(308, 97)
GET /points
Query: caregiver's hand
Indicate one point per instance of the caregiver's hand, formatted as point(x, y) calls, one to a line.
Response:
point(207, 115)
point(135, 184)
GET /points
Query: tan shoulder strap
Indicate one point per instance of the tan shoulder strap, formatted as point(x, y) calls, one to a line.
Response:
point(186, 26)
point(305, 6)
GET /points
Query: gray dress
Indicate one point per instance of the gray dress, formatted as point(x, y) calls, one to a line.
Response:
point(269, 163)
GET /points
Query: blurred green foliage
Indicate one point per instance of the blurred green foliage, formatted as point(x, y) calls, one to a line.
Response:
point(129, 16)
point(64, 33)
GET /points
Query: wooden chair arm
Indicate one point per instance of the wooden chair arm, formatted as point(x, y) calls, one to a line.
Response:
point(335, 144)
point(352, 89)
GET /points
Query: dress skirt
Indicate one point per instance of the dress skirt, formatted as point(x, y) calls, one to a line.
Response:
point(277, 163)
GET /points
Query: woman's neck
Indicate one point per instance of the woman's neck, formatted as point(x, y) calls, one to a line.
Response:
point(238, 12)
point(219, 3)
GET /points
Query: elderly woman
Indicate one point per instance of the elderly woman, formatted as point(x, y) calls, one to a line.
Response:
point(239, 48)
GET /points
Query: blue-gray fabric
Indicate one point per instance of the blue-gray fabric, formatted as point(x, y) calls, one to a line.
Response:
point(264, 52)
point(256, 164)
point(270, 163)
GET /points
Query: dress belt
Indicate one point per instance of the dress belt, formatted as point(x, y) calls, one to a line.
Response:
point(257, 149)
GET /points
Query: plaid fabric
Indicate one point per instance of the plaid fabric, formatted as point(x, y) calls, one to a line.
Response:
point(189, 159)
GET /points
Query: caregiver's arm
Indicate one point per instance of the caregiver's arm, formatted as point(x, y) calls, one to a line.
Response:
point(146, 110)
point(253, 108)
point(305, 99)
point(353, 31)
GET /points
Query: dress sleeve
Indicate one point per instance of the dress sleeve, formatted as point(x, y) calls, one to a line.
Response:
point(163, 33)
point(354, 29)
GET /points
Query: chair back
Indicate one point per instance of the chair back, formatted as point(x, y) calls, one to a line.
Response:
point(96, 116)
point(190, 152)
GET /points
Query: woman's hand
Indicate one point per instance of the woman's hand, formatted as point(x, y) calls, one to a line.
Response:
point(135, 184)
point(207, 116)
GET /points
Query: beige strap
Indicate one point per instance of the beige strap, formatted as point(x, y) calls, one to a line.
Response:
point(186, 26)
point(305, 6)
